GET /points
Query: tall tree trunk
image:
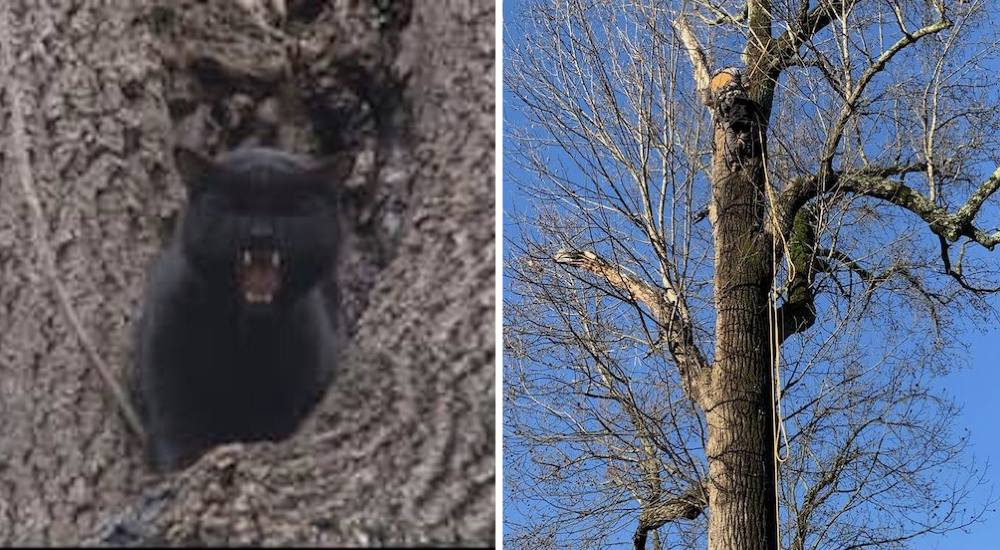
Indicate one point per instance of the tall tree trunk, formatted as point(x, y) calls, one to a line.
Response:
point(738, 410)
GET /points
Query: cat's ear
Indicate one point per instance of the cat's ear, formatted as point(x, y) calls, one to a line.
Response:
point(333, 170)
point(194, 168)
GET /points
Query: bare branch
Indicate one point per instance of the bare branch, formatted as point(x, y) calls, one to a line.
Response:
point(874, 182)
point(877, 66)
point(798, 313)
point(667, 307)
point(699, 61)
point(722, 16)
point(949, 226)
point(956, 272)
point(809, 24)
point(971, 207)
point(802, 190)
point(688, 505)
point(868, 182)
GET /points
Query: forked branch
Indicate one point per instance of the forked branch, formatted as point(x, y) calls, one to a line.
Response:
point(877, 183)
point(809, 23)
point(949, 226)
point(854, 95)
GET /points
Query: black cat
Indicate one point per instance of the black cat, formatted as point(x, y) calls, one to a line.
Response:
point(236, 341)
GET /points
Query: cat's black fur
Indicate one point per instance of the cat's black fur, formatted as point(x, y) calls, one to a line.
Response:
point(237, 342)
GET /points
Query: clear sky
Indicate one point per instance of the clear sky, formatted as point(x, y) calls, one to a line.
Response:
point(976, 387)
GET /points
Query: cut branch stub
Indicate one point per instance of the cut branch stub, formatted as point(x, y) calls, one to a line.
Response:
point(667, 307)
point(739, 124)
point(688, 505)
point(723, 82)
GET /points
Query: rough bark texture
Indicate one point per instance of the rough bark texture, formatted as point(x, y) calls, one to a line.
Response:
point(402, 449)
point(689, 505)
point(738, 412)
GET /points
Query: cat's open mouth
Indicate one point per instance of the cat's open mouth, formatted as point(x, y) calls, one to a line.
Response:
point(259, 274)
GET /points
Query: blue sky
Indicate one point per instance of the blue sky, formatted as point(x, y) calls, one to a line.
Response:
point(974, 387)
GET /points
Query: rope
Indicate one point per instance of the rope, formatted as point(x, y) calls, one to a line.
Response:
point(778, 430)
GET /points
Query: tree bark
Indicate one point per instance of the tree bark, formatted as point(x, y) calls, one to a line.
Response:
point(738, 412)
point(95, 133)
point(401, 450)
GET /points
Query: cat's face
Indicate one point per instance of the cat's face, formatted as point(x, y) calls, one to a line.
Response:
point(260, 223)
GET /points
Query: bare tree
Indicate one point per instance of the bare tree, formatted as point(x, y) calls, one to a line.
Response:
point(743, 235)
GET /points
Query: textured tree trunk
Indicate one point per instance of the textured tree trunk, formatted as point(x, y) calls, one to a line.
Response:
point(401, 450)
point(738, 410)
point(95, 135)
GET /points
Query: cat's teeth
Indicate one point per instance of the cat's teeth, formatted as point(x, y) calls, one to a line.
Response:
point(275, 259)
point(254, 298)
